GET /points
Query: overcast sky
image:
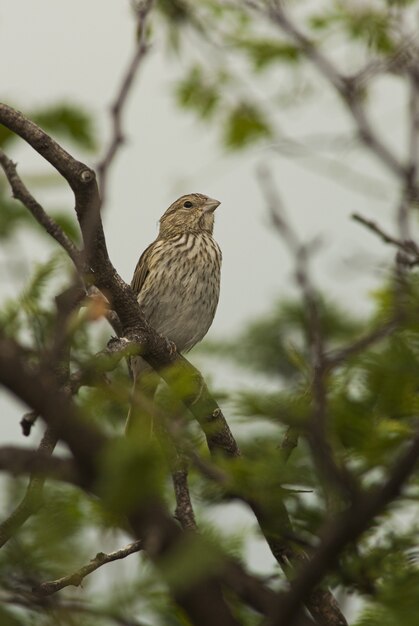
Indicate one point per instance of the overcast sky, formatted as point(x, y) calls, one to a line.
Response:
point(54, 51)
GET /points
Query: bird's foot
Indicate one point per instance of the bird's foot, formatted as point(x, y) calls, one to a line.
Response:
point(171, 346)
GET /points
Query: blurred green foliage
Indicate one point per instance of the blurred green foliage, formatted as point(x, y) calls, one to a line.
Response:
point(278, 341)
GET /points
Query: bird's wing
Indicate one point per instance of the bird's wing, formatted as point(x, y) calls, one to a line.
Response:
point(142, 269)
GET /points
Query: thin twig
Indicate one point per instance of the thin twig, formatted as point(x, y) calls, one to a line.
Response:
point(75, 579)
point(341, 355)
point(20, 192)
point(118, 138)
point(346, 87)
point(408, 247)
point(332, 472)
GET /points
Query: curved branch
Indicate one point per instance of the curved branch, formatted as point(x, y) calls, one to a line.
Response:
point(76, 578)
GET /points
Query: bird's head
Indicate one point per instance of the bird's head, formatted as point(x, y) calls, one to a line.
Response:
point(191, 213)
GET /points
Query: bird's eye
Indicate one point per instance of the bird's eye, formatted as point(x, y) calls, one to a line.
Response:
point(187, 204)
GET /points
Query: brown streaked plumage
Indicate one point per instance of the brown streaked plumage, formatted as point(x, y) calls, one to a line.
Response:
point(177, 278)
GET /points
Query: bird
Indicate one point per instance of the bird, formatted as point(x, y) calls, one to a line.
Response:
point(177, 279)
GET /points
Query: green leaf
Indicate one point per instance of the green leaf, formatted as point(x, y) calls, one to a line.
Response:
point(245, 124)
point(277, 340)
point(63, 120)
point(174, 10)
point(265, 52)
point(369, 25)
point(374, 27)
point(197, 93)
point(68, 224)
point(69, 121)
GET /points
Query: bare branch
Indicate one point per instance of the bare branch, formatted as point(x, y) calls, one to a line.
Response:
point(118, 138)
point(408, 246)
point(20, 192)
point(345, 86)
point(332, 472)
point(352, 99)
point(341, 355)
point(275, 12)
point(76, 578)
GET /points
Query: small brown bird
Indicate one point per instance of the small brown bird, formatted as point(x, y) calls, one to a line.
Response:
point(177, 279)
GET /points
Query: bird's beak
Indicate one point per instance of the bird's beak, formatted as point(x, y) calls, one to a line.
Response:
point(210, 205)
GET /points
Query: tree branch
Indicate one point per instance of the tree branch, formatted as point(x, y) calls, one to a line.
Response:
point(346, 87)
point(333, 473)
point(409, 247)
point(76, 578)
point(341, 355)
point(118, 138)
point(20, 192)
